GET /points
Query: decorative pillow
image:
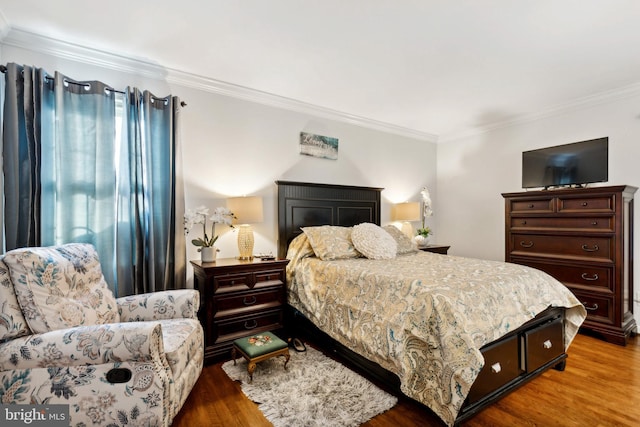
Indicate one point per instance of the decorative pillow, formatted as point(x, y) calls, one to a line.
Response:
point(373, 241)
point(60, 287)
point(12, 322)
point(300, 248)
point(405, 244)
point(331, 242)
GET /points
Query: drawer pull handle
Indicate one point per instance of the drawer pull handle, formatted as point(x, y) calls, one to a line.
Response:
point(594, 307)
point(524, 222)
point(585, 204)
point(586, 248)
point(547, 344)
point(250, 324)
point(249, 300)
point(594, 223)
point(496, 368)
point(526, 245)
point(531, 206)
point(593, 277)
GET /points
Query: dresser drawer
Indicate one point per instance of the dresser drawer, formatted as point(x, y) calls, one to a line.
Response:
point(242, 326)
point(599, 308)
point(564, 223)
point(596, 248)
point(586, 204)
point(501, 365)
point(533, 205)
point(583, 276)
point(543, 344)
point(232, 304)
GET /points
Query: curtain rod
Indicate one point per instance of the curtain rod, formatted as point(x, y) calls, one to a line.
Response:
point(3, 69)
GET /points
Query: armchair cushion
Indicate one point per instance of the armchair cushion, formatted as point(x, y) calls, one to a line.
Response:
point(173, 304)
point(61, 287)
point(183, 340)
point(84, 345)
point(12, 322)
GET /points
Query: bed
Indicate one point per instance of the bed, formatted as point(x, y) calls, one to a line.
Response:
point(452, 333)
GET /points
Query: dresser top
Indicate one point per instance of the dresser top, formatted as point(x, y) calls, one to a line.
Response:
point(575, 191)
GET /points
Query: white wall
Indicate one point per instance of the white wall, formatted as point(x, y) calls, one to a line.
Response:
point(473, 172)
point(233, 147)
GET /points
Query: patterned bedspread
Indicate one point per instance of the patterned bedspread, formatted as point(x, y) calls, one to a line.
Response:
point(423, 316)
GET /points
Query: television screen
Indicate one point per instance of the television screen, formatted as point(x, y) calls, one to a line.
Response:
point(566, 165)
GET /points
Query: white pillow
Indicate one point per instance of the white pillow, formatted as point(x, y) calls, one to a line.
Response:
point(373, 241)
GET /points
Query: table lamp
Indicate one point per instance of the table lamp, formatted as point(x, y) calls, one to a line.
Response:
point(405, 213)
point(248, 210)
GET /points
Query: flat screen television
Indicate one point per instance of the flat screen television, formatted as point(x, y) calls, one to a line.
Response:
point(566, 165)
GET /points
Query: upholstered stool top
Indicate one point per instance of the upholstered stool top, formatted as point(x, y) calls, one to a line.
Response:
point(257, 345)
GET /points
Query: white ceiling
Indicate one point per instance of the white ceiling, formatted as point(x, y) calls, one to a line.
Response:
point(443, 67)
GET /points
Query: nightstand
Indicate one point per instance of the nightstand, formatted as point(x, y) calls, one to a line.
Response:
point(438, 249)
point(238, 299)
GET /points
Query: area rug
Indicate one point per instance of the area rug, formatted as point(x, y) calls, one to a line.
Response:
point(315, 390)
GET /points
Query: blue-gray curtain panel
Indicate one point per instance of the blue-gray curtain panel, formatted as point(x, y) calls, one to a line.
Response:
point(78, 169)
point(78, 178)
point(157, 208)
point(21, 151)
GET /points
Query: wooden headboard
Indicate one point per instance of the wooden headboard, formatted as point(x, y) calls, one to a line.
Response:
point(303, 204)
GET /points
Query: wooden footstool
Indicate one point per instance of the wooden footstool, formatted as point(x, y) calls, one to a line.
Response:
point(257, 348)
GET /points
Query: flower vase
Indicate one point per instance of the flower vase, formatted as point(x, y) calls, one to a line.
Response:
point(208, 253)
point(422, 241)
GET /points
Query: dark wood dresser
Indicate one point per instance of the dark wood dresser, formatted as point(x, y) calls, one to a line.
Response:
point(584, 238)
point(238, 299)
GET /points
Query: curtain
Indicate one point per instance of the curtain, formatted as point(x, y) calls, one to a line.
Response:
point(21, 152)
point(78, 169)
point(157, 203)
point(84, 163)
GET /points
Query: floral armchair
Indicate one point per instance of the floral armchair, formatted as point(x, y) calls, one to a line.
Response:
point(65, 339)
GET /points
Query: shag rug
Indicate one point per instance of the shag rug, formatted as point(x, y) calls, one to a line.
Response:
point(315, 390)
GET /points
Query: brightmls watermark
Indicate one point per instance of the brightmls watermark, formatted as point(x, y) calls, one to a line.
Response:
point(34, 415)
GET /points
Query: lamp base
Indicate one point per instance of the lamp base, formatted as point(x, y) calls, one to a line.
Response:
point(245, 242)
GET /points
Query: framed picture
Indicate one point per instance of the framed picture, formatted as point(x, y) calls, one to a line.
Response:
point(318, 146)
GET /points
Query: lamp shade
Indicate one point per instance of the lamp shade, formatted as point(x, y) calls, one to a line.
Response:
point(248, 210)
point(408, 211)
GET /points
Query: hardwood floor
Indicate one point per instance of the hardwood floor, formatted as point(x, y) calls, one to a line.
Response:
point(600, 387)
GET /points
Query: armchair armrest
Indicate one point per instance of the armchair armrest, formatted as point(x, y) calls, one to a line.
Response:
point(85, 345)
point(174, 304)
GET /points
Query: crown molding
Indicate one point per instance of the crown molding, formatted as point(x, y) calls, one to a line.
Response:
point(577, 104)
point(28, 40)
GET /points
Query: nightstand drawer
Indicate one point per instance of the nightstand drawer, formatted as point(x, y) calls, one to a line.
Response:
point(236, 327)
point(240, 303)
point(233, 282)
point(271, 277)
